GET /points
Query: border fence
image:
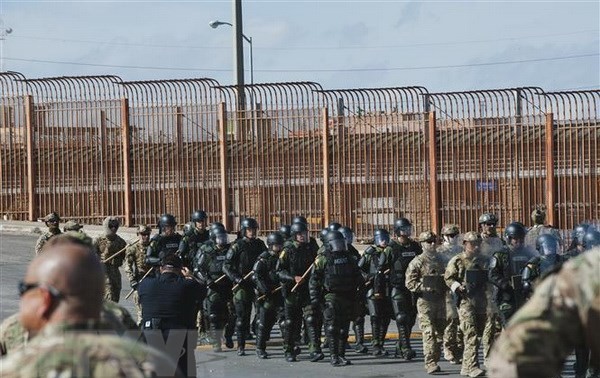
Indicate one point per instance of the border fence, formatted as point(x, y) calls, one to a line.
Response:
point(92, 146)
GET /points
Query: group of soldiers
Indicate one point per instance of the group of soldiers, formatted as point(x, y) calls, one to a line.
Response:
point(463, 288)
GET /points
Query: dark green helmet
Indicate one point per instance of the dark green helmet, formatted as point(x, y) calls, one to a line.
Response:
point(515, 230)
point(275, 238)
point(300, 219)
point(334, 226)
point(285, 230)
point(198, 216)
point(167, 220)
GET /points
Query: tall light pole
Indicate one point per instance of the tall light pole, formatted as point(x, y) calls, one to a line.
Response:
point(3, 33)
point(215, 24)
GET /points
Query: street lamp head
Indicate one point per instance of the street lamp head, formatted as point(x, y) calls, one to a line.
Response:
point(215, 24)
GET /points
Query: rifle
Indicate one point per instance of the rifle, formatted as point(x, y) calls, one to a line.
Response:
point(145, 275)
point(120, 251)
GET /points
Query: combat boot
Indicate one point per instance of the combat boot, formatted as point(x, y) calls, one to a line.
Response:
point(403, 348)
point(433, 369)
point(262, 354)
point(476, 372)
point(316, 356)
point(215, 335)
point(342, 354)
point(290, 357)
point(359, 332)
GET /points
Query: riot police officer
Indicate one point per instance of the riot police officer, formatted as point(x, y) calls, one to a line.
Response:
point(267, 283)
point(218, 305)
point(372, 265)
point(506, 266)
point(403, 250)
point(302, 219)
point(240, 260)
point(169, 302)
point(576, 247)
point(164, 243)
point(538, 267)
point(358, 325)
point(293, 269)
point(336, 276)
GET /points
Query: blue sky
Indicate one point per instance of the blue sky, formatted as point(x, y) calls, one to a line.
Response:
point(347, 44)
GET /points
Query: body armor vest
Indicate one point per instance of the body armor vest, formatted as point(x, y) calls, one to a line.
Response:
point(341, 273)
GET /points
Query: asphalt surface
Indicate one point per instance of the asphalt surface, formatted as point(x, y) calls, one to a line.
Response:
point(16, 251)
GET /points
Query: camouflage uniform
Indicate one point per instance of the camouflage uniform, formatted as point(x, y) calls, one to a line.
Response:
point(431, 302)
point(136, 267)
point(563, 313)
point(107, 245)
point(69, 350)
point(493, 327)
point(473, 307)
point(453, 338)
point(112, 317)
point(52, 231)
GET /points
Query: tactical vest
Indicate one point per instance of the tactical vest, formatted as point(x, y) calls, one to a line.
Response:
point(340, 273)
point(375, 255)
point(518, 261)
point(401, 256)
point(547, 264)
point(163, 245)
point(217, 258)
point(301, 256)
point(250, 249)
point(270, 261)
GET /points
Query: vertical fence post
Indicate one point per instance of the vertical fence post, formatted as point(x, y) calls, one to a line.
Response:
point(178, 189)
point(224, 161)
point(434, 192)
point(31, 173)
point(126, 145)
point(550, 178)
point(325, 149)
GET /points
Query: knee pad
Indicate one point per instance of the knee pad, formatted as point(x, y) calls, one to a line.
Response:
point(310, 320)
point(213, 318)
point(401, 318)
point(239, 323)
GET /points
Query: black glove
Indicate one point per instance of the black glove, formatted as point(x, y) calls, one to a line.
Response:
point(134, 285)
point(238, 280)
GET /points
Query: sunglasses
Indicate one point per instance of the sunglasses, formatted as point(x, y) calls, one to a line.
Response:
point(24, 287)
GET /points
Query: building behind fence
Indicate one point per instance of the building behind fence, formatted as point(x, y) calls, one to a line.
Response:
point(93, 146)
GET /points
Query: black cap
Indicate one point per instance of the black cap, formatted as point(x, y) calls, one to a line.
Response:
point(172, 261)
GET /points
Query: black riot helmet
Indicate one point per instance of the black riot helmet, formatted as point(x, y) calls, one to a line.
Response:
point(515, 230)
point(215, 225)
point(167, 220)
point(198, 216)
point(382, 237)
point(285, 230)
point(336, 242)
point(579, 232)
point(300, 219)
point(547, 245)
point(298, 228)
point(219, 236)
point(402, 227)
point(248, 223)
point(591, 238)
point(323, 235)
point(348, 234)
point(188, 229)
point(334, 226)
point(275, 238)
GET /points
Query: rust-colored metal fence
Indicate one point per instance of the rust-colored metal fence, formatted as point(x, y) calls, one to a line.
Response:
point(89, 147)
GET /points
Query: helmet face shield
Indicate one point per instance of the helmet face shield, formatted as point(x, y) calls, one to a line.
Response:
point(337, 245)
point(221, 238)
point(404, 231)
point(302, 237)
point(382, 240)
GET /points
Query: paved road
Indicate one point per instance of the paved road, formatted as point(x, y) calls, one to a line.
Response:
point(16, 251)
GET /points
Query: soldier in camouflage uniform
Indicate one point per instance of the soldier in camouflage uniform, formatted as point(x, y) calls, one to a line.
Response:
point(453, 340)
point(538, 217)
point(238, 264)
point(491, 243)
point(425, 278)
point(372, 266)
point(466, 276)
point(52, 221)
point(336, 277)
point(107, 245)
point(62, 329)
point(135, 264)
point(563, 314)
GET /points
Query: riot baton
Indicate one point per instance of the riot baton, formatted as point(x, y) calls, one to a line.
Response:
point(120, 251)
point(243, 279)
point(219, 279)
point(371, 280)
point(272, 292)
point(302, 278)
point(144, 276)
